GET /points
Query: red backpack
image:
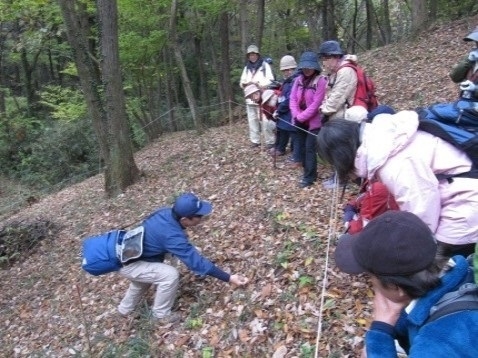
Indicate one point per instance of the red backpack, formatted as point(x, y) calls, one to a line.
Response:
point(365, 94)
point(374, 200)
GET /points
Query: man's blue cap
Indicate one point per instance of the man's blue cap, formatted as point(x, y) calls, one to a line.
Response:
point(188, 204)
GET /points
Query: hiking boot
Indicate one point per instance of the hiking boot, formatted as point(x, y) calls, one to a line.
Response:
point(173, 317)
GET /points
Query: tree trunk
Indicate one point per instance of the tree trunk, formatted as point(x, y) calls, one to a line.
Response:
point(182, 69)
point(260, 22)
point(168, 91)
point(419, 16)
point(246, 36)
point(387, 28)
point(121, 171)
point(79, 34)
point(225, 65)
point(369, 22)
point(329, 30)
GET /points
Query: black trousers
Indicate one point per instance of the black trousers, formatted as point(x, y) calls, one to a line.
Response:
point(307, 143)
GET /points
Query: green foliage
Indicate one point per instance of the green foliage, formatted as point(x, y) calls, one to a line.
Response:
point(305, 280)
point(63, 154)
point(306, 350)
point(67, 104)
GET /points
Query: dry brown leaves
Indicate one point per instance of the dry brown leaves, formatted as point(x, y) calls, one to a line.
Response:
point(262, 226)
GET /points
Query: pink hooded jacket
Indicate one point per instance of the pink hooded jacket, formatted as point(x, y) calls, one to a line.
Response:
point(313, 95)
point(406, 161)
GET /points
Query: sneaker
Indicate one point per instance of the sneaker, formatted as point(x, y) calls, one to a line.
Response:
point(255, 145)
point(173, 317)
point(270, 146)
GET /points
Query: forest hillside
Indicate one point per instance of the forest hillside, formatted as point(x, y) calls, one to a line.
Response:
point(263, 226)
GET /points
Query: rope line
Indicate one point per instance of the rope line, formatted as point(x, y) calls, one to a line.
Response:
point(332, 234)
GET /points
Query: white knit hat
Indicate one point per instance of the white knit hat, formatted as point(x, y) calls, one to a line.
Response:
point(356, 114)
point(287, 62)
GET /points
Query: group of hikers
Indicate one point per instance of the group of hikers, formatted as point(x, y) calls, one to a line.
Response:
point(417, 255)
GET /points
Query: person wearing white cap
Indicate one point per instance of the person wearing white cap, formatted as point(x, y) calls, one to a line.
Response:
point(466, 71)
point(257, 72)
point(164, 233)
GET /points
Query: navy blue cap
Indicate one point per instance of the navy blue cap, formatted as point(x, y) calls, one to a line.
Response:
point(381, 109)
point(188, 204)
point(309, 59)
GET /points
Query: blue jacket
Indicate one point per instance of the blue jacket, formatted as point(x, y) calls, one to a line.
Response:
point(164, 234)
point(283, 109)
point(449, 336)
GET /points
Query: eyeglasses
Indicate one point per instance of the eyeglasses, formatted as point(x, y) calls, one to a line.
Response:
point(326, 57)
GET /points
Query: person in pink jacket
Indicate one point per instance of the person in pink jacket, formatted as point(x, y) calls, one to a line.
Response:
point(392, 150)
point(306, 96)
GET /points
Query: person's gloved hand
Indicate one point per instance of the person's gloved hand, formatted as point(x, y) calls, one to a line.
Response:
point(473, 55)
point(275, 115)
point(467, 86)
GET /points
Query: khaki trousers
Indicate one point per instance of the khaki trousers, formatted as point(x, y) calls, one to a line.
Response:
point(142, 275)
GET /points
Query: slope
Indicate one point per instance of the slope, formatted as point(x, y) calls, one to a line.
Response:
point(262, 226)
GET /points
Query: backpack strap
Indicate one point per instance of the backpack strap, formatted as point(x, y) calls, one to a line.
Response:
point(473, 174)
point(463, 299)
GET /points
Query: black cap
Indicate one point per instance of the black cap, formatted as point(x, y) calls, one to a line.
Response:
point(394, 243)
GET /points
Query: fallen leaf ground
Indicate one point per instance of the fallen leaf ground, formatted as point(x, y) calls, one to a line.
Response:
point(263, 226)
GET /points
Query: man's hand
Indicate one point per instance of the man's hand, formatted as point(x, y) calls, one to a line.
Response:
point(386, 310)
point(238, 280)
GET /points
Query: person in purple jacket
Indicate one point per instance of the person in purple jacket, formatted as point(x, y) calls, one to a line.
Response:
point(306, 96)
point(164, 233)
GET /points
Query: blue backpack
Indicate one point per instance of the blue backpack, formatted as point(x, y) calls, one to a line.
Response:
point(456, 123)
point(100, 253)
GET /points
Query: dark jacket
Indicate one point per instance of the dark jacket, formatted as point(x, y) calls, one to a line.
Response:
point(453, 335)
point(283, 110)
point(164, 234)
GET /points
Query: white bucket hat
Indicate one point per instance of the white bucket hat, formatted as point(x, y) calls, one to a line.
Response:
point(250, 89)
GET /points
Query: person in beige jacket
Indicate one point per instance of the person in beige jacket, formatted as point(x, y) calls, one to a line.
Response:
point(258, 72)
point(342, 80)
